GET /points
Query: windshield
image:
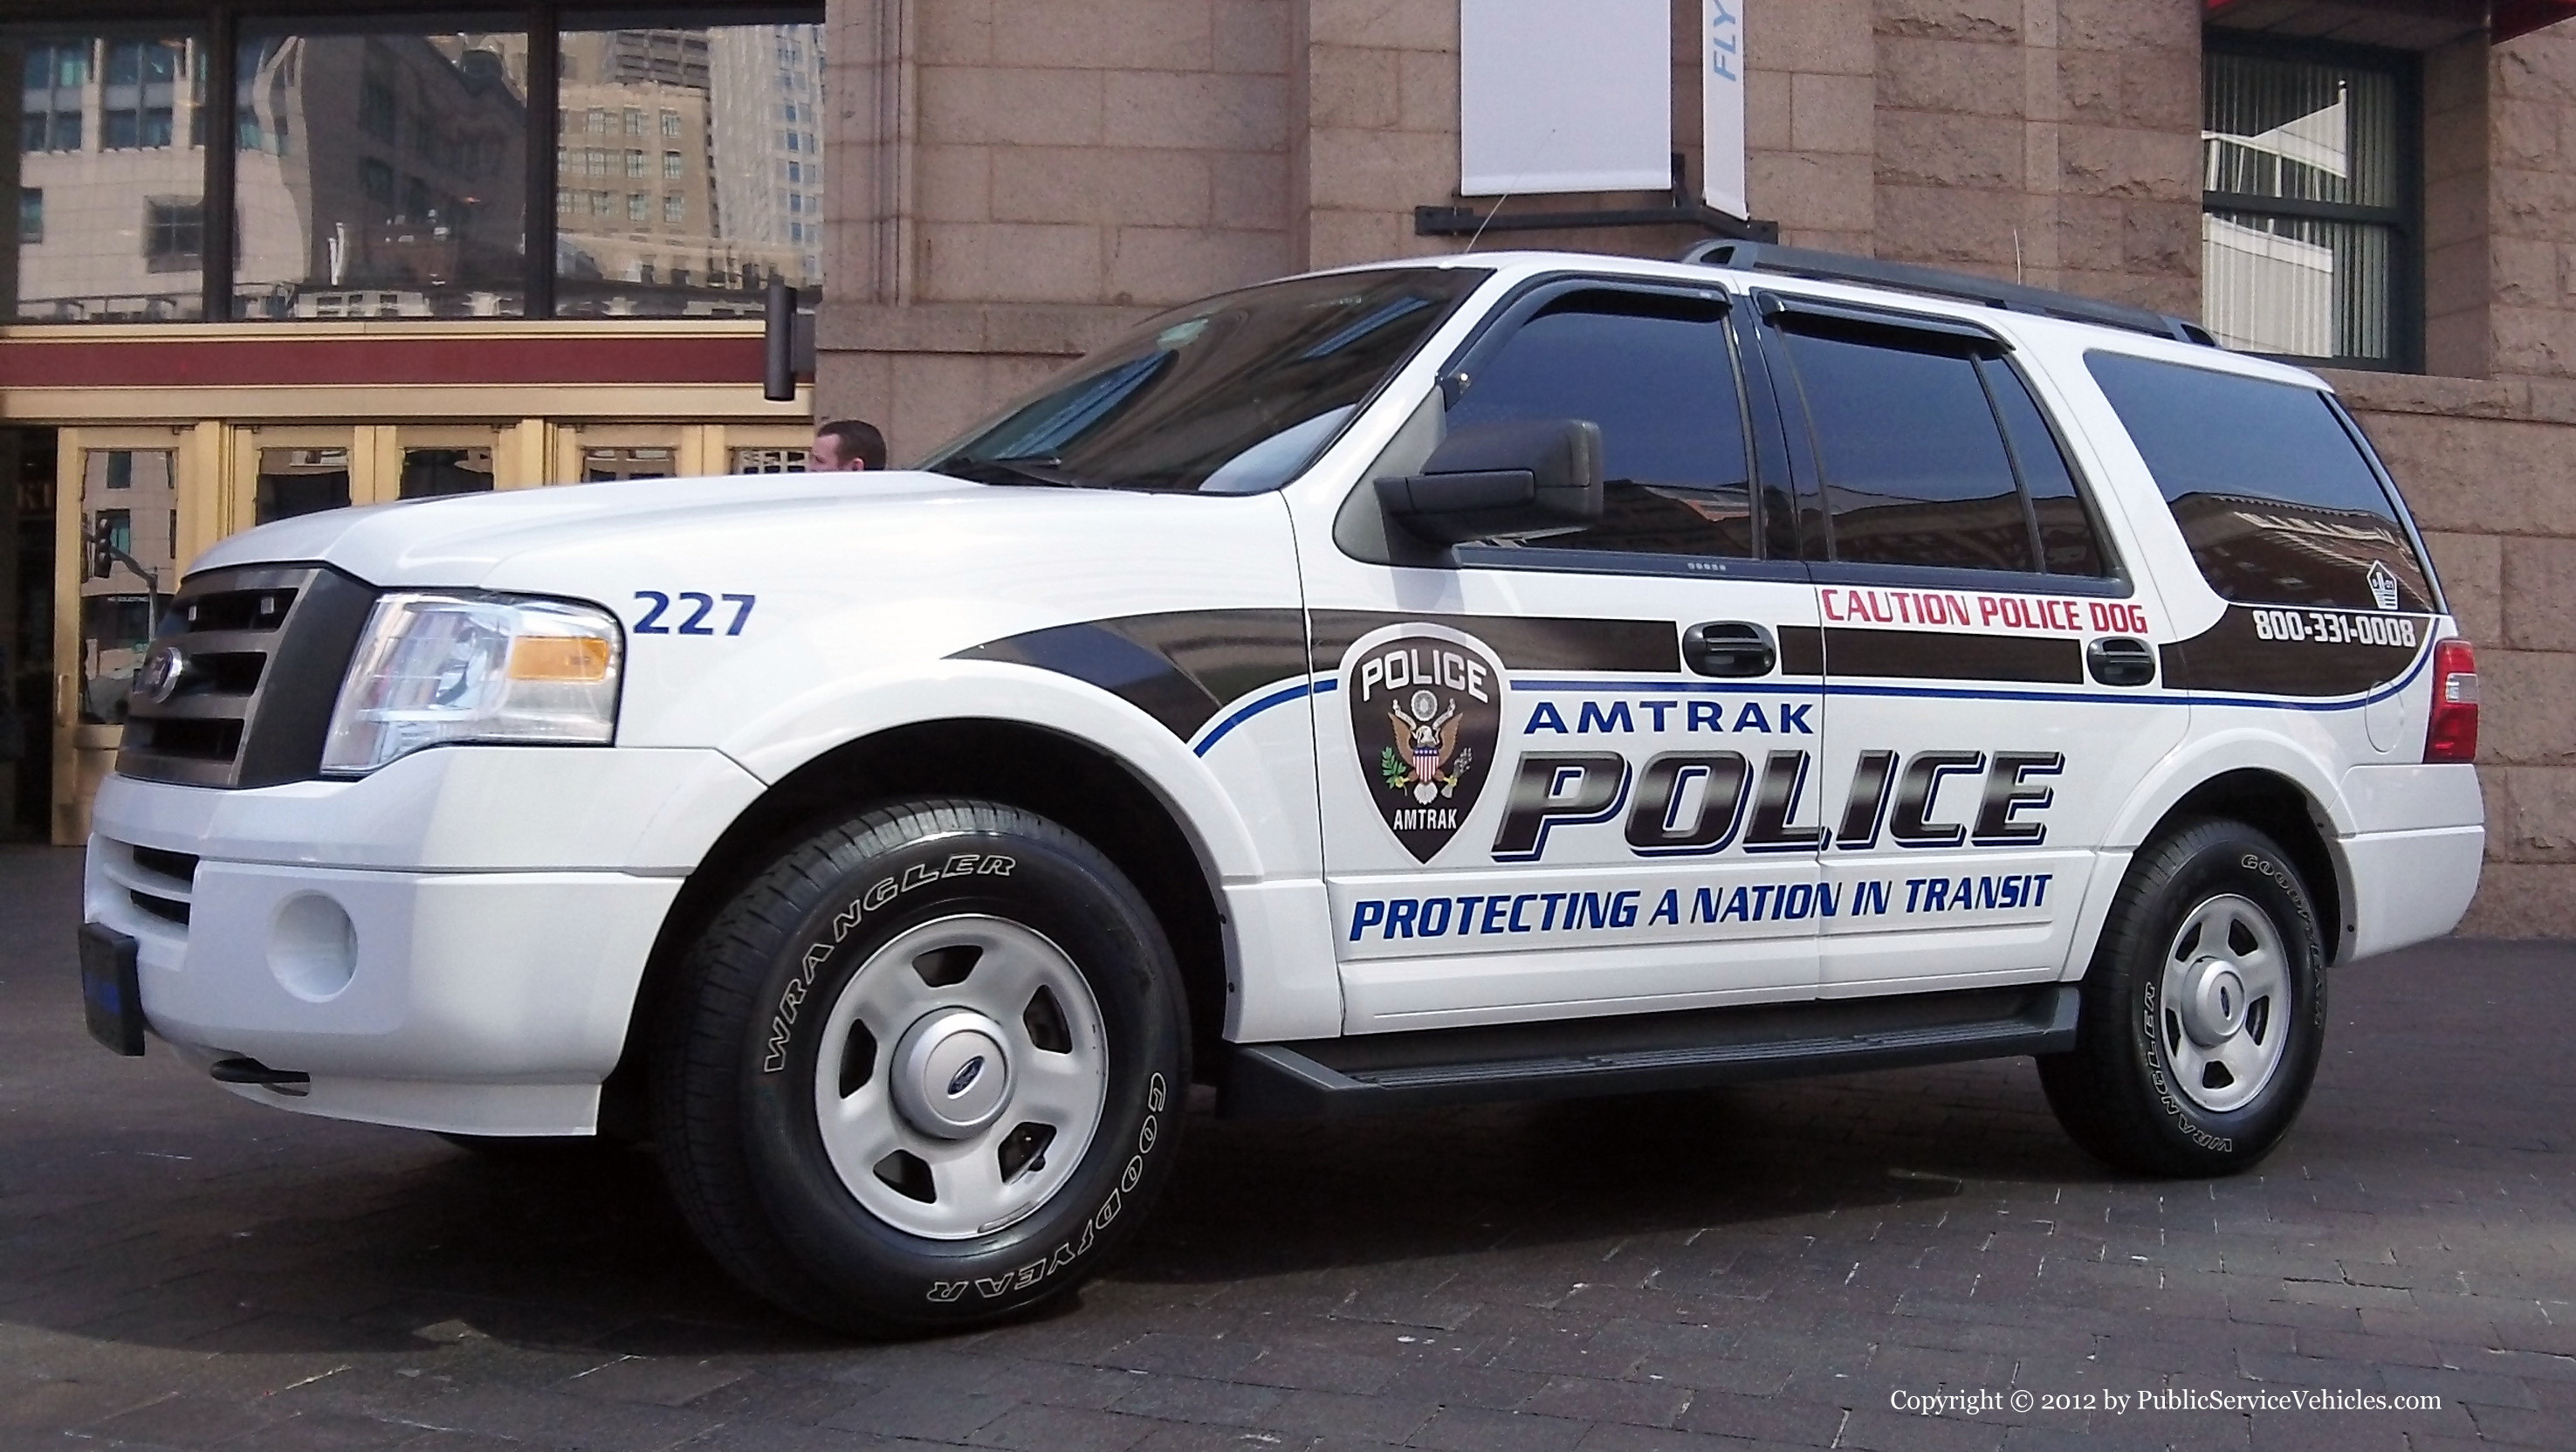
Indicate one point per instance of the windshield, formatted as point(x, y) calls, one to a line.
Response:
point(1233, 395)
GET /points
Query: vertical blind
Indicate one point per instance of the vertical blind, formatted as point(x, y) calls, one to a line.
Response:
point(2286, 279)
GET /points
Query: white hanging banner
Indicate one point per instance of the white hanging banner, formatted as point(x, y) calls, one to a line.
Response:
point(1554, 97)
point(1721, 88)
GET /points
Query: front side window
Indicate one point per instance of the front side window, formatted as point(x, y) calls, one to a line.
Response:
point(2307, 243)
point(1930, 451)
point(2273, 493)
point(1658, 377)
point(1233, 395)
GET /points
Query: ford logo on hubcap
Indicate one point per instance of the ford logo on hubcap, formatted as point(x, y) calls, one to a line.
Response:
point(964, 1079)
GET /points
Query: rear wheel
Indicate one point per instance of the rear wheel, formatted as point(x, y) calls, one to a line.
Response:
point(2204, 1009)
point(924, 1071)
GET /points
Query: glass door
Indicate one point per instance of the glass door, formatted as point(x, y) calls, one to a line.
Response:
point(116, 562)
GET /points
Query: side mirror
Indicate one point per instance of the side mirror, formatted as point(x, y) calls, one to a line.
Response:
point(1501, 481)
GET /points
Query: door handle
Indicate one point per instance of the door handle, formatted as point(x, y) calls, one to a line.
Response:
point(1730, 648)
point(2121, 660)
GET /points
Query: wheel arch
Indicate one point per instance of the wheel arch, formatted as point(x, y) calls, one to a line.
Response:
point(2286, 812)
point(1072, 782)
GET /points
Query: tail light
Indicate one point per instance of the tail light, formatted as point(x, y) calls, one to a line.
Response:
point(2453, 732)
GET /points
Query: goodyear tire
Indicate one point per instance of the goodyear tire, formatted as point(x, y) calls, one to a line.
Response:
point(2204, 1010)
point(923, 1072)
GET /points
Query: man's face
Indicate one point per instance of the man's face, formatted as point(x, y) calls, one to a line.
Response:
point(824, 457)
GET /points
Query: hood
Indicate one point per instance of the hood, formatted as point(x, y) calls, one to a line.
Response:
point(469, 540)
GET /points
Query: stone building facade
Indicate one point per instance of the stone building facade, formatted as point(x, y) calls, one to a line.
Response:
point(1012, 184)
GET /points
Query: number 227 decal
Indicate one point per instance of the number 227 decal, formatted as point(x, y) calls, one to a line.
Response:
point(699, 606)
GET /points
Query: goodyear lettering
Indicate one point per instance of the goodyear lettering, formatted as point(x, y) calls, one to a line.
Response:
point(1079, 1244)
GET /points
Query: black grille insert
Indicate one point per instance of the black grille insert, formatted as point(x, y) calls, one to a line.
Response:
point(168, 910)
point(261, 651)
point(254, 609)
point(191, 738)
point(181, 865)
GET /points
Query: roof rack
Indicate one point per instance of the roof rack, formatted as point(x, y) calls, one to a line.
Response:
point(2013, 297)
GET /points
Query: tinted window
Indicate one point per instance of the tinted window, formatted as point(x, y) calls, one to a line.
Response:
point(1233, 395)
point(2274, 496)
point(1913, 469)
point(1657, 376)
point(2067, 544)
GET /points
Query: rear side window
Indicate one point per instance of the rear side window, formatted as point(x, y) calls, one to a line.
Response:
point(1657, 375)
point(2273, 493)
point(1931, 454)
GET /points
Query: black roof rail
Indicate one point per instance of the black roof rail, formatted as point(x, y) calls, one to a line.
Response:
point(1966, 287)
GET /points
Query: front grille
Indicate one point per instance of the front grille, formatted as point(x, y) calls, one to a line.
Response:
point(160, 883)
point(263, 649)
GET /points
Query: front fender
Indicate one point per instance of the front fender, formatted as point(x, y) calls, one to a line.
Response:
point(837, 712)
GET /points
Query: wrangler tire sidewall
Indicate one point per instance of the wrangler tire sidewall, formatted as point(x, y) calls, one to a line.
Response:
point(885, 874)
point(2116, 1093)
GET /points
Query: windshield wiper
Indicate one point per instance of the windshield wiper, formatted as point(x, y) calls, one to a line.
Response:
point(1013, 469)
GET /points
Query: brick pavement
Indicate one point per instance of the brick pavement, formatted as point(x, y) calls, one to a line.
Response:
point(1750, 1268)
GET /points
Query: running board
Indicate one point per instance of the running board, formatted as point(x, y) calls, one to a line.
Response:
point(1642, 1053)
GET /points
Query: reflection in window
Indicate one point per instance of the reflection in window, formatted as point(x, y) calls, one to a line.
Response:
point(407, 195)
point(140, 99)
point(115, 612)
point(55, 74)
point(768, 461)
point(174, 234)
point(2279, 135)
point(600, 464)
point(715, 226)
point(107, 129)
point(1913, 464)
point(1657, 377)
point(430, 473)
point(301, 481)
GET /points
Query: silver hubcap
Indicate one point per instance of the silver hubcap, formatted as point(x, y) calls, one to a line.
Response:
point(2226, 1008)
point(963, 1074)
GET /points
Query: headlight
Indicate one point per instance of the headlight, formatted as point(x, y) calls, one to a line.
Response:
point(441, 668)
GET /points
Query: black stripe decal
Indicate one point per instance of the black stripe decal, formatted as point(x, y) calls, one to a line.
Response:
point(1524, 643)
point(1931, 655)
point(2237, 655)
point(1178, 668)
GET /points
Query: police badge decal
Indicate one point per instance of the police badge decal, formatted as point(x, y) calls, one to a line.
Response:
point(1426, 710)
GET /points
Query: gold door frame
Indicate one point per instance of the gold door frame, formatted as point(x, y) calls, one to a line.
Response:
point(84, 752)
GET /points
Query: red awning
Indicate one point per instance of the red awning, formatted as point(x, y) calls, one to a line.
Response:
point(2521, 17)
point(2410, 23)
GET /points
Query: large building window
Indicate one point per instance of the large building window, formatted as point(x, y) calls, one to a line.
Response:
point(710, 94)
point(377, 162)
point(2308, 239)
point(411, 182)
point(110, 224)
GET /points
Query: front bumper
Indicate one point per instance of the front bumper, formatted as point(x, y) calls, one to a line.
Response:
point(452, 944)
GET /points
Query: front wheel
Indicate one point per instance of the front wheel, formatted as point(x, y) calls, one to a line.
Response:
point(924, 1072)
point(2203, 1012)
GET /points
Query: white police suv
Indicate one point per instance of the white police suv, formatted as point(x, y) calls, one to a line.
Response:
point(1509, 675)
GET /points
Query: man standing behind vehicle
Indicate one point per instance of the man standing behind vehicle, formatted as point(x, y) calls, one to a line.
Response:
point(846, 445)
